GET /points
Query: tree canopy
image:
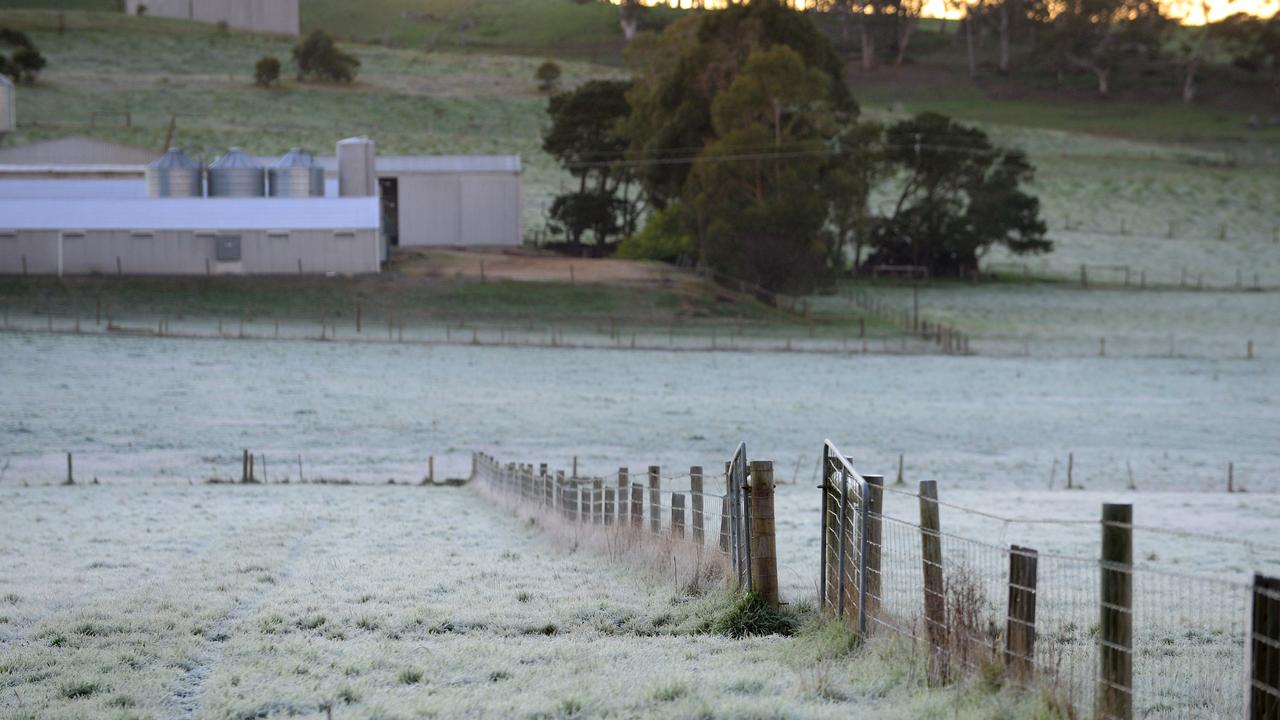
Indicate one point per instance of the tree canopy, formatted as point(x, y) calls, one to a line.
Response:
point(584, 138)
point(318, 57)
point(25, 62)
point(959, 196)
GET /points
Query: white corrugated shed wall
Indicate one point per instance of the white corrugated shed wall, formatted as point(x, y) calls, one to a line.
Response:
point(271, 16)
point(187, 253)
point(461, 209)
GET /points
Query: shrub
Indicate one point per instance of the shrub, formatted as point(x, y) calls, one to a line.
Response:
point(663, 237)
point(267, 72)
point(548, 73)
point(318, 57)
point(26, 62)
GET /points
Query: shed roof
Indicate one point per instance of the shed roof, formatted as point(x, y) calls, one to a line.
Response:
point(70, 188)
point(192, 214)
point(449, 163)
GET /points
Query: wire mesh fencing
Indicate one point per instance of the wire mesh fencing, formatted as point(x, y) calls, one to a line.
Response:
point(710, 514)
point(1103, 636)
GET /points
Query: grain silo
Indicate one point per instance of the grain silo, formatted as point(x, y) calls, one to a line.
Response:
point(8, 112)
point(357, 169)
point(236, 174)
point(175, 175)
point(296, 175)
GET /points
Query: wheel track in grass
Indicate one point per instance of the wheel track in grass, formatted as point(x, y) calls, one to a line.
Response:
point(186, 698)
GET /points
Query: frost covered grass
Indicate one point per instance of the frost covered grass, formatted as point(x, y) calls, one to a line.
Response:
point(377, 601)
point(181, 410)
point(1061, 320)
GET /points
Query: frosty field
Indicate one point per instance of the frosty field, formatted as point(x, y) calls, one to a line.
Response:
point(375, 602)
point(155, 594)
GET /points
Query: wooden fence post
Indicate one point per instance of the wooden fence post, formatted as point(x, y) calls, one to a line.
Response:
point(610, 494)
point(695, 491)
point(71, 478)
point(244, 467)
point(761, 534)
point(655, 499)
point(1115, 643)
point(1264, 650)
point(872, 542)
point(935, 600)
point(559, 497)
point(677, 515)
point(1020, 625)
point(637, 506)
point(597, 501)
point(624, 489)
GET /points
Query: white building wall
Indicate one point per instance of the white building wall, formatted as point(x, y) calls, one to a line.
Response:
point(37, 251)
point(107, 252)
point(459, 209)
point(269, 16)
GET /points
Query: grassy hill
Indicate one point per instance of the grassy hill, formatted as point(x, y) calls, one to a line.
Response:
point(1160, 187)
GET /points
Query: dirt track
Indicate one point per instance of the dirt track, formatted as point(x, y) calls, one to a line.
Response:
point(531, 265)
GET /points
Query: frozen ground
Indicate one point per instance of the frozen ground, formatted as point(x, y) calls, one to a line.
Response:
point(157, 595)
point(162, 600)
point(1063, 321)
point(136, 409)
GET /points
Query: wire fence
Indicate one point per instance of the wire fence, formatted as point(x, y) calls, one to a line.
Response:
point(1105, 636)
point(1089, 275)
point(356, 326)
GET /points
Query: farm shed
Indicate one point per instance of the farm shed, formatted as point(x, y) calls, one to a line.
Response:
point(451, 199)
point(267, 16)
point(190, 236)
point(75, 150)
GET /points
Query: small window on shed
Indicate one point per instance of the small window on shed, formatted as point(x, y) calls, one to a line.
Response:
point(8, 234)
point(142, 235)
point(227, 248)
point(344, 236)
point(279, 235)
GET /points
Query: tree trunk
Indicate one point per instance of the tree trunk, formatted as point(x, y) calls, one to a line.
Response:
point(968, 41)
point(1104, 80)
point(629, 18)
point(1189, 82)
point(909, 26)
point(1004, 37)
point(868, 48)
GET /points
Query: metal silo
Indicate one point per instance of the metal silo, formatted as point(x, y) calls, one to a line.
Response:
point(236, 174)
point(175, 175)
point(296, 175)
point(8, 111)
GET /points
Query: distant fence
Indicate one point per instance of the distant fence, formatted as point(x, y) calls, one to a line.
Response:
point(944, 336)
point(732, 516)
point(358, 325)
point(1138, 278)
point(1108, 637)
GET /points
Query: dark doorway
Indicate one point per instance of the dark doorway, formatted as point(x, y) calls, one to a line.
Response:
point(389, 191)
